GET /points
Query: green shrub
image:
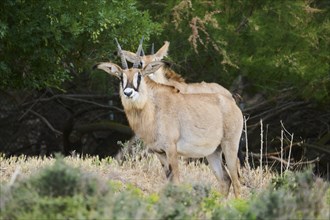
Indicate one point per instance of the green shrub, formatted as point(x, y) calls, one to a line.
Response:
point(16, 199)
point(57, 208)
point(63, 180)
point(56, 192)
point(294, 196)
point(128, 205)
point(63, 192)
point(58, 180)
point(181, 202)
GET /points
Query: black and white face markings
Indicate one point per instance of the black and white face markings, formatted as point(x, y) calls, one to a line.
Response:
point(131, 86)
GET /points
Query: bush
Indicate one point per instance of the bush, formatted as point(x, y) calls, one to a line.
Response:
point(61, 192)
point(234, 209)
point(64, 192)
point(128, 205)
point(63, 180)
point(293, 196)
point(56, 192)
point(181, 202)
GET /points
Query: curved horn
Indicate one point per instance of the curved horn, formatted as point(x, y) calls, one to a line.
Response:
point(122, 57)
point(152, 49)
point(138, 52)
point(142, 52)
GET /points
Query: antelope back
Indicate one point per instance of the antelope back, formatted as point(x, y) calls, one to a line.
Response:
point(167, 76)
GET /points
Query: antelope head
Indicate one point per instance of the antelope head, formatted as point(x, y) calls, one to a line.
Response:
point(143, 59)
point(132, 84)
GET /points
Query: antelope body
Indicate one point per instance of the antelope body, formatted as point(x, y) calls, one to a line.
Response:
point(165, 75)
point(174, 124)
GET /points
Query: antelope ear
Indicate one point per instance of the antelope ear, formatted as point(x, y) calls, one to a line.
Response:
point(130, 57)
point(152, 67)
point(162, 52)
point(110, 68)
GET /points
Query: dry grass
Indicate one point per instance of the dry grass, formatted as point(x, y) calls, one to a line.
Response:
point(145, 173)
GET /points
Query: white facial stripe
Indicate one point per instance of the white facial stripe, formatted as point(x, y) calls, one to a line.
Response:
point(135, 80)
point(124, 80)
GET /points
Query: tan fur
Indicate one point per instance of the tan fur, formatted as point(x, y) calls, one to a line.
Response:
point(167, 76)
point(174, 124)
point(174, 79)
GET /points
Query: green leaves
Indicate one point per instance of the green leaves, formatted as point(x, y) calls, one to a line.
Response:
point(283, 44)
point(44, 43)
point(275, 44)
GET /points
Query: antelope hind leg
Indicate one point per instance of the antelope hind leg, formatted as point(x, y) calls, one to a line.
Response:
point(230, 151)
point(216, 165)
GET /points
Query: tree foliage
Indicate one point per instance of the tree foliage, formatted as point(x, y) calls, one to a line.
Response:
point(43, 43)
point(275, 44)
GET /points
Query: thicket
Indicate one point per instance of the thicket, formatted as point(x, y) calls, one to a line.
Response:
point(63, 192)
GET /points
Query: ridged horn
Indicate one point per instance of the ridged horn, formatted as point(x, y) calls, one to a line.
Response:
point(122, 57)
point(152, 49)
point(138, 52)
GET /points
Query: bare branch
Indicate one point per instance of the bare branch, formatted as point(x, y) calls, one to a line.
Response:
point(317, 159)
point(46, 122)
point(78, 98)
point(30, 108)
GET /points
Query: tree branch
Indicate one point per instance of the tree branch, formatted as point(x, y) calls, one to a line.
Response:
point(317, 159)
point(77, 98)
point(46, 122)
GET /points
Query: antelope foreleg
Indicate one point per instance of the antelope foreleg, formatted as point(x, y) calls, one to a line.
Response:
point(173, 164)
point(163, 161)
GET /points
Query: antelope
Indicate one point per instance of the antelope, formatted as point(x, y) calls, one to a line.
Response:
point(165, 75)
point(173, 124)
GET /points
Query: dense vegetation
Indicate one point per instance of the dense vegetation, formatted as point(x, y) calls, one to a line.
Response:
point(276, 44)
point(61, 191)
point(44, 43)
